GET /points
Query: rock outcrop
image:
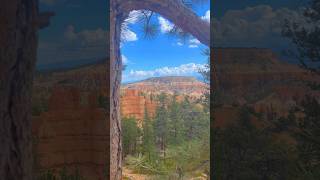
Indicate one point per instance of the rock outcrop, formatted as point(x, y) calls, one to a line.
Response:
point(134, 104)
point(138, 97)
point(72, 134)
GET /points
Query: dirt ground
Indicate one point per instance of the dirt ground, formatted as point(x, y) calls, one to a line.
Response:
point(129, 175)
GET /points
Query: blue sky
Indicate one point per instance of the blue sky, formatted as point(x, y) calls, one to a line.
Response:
point(78, 34)
point(254, 23)
point(163, 55)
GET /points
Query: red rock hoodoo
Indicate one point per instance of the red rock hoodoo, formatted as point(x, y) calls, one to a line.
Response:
point(134, 104)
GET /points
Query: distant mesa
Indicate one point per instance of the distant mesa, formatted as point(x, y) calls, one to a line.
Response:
point(181, 85)
point(170, 79)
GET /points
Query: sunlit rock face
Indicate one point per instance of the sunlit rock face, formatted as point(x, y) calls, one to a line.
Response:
point(138, 97)
point(72, 134)
point(135, 104)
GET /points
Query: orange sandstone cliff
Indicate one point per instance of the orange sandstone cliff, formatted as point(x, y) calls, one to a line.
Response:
point(71, 134)
point(134, 104)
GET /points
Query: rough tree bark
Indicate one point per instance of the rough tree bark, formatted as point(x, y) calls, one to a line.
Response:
point(116, 19)
point(18, 45)
point(176, 12)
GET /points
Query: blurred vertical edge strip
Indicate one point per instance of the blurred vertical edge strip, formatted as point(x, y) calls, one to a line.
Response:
point(108, 86)
point(212, 87)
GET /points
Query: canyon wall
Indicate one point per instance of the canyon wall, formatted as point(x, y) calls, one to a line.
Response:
point(73, 133)
point(259, 78)
point(241, 70)
point(242, 67)
point(134, 103)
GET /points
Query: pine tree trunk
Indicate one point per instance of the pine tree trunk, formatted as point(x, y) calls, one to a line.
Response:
point(173, 10)
point(116, 19)
point(18, 45)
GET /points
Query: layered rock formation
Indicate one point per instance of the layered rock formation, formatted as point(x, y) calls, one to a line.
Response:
point(134, 104)
point(140, 96)
point(258, 78)
point(72, 134)
point(242, 67)
point(170, 85)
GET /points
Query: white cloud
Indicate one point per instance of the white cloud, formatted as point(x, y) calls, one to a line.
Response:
point(179, 43)
point(93, 36)
point(206, 17)
point(194, 43)
point(193, 46)
point(134, 16)
point(182, 70)
point(76, 45)
point(128, 35)
point(165, 25)
point(252, 26)
point(124, 59)
point(86, 37)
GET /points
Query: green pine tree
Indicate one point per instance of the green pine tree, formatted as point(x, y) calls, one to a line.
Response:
point(130, 135)
point(175, 122)
point(160, 123)
point(148, 138)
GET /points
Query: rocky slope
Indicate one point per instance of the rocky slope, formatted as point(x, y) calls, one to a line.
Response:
point(170, 85)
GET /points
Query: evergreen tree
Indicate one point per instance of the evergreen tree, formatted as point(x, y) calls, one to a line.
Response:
point(242, 151)
point(160, 123)
point(308, 137)
point(131, 133)
point(175, 122)
point(148, 138)
point(305, 35)
point(190, 119)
